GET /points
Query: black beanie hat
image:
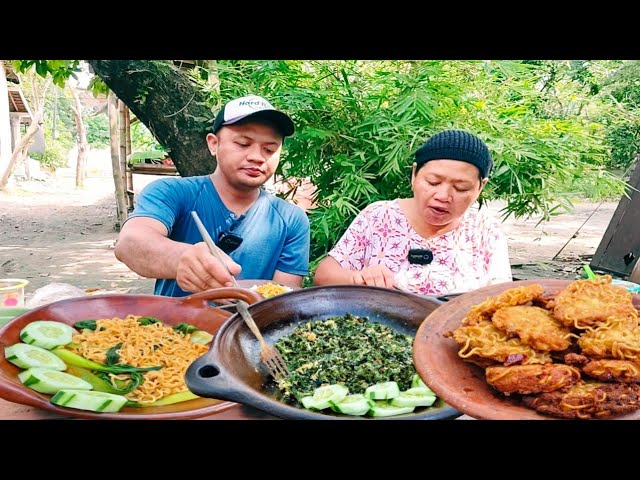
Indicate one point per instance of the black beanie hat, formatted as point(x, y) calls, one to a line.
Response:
point(456, 145)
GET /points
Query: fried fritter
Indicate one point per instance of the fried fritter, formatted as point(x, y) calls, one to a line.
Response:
point(513, 296)
point(623, 371)
point(485, 340)
point(616, 338)
point(586, 400)
point(584, 303)
point(534, 326)
point(528, 379)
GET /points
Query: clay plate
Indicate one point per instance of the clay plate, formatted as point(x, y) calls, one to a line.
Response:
point(461, 384)
point(195, 310)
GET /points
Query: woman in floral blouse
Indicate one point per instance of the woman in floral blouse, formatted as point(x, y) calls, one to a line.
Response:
point(388, 243)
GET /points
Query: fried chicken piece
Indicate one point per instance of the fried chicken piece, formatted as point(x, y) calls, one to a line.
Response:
point(545, 301)
point(607, 370)
point(585, 400)
point(616, 338)
point(528, 379)
point(534, 326)
point(513, 296)
point(485, 340)
point(584, 303)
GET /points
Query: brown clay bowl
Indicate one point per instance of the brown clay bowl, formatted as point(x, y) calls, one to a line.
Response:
point(232, 370)
point(461, 384)
point(194, 309)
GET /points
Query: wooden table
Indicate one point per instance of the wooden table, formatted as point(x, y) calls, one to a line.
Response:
point(17, 411)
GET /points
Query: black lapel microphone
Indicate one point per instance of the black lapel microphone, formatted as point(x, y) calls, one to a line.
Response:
point(420, 256)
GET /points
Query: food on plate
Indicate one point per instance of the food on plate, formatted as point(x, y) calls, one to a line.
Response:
point(624, 371)
point(483, 340)
point(136, 361)
point(353, 358)
point(569, 354)
point(534, 326)
point(615, 338)
point(271, 289)
point(586, 400)
point(128, 342)
point(587, 302)
point(527, 379)
point(514, 296)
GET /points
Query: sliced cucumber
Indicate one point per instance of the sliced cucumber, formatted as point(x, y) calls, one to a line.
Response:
point(323, 395)
point(44, 380)
point(414, 397)
point(417, 382)
point(29, 356)
point(92, 401)
point(385, 409)
point(355, 404)
point(47, 334)
point(382, 391)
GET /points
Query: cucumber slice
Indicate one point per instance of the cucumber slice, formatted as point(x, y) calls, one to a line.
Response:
point(47, 334)
point(414, 397)
point(385, 409)
point(355, 404)
point(417, 382)
point(323, 395)
point(29, 356)
point(92, 401)
point(44, 380)
point(382, 391)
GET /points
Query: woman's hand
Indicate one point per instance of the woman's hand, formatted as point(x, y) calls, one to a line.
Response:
point(198, 270)
point(375, 275)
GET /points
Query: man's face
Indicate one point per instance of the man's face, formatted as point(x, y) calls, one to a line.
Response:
point(247, 154)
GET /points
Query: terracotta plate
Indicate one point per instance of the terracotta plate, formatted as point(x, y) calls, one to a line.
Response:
point(195, 310)
point(461, 384)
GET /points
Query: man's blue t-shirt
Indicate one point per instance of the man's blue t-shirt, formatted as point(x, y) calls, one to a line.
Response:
point(275, 233)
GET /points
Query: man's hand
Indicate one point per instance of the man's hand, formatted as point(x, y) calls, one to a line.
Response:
point(198, 270)
point(375, 275)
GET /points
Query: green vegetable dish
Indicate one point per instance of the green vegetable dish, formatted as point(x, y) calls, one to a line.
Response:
point(348, 351)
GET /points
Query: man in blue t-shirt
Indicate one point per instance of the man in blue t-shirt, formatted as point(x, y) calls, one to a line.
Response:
point(263, 237)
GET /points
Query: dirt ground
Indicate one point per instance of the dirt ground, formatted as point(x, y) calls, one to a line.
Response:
point(52, 232)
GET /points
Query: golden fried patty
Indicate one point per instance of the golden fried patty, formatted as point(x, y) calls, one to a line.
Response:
point(586, 400)
point(534, 326)
point(528, 379)
point(609, 370)
point(584, 303)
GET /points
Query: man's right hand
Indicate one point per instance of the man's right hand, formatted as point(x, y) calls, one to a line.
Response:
point(199, 270)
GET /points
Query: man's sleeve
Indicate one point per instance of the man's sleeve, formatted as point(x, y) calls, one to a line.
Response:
point(159, 200)
point(294, 258)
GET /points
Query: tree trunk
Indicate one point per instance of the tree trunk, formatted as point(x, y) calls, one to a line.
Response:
point(21, 147)
point(83, 145)
point(174, 109)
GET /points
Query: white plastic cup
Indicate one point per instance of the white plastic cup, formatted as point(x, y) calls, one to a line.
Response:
point(12, 292)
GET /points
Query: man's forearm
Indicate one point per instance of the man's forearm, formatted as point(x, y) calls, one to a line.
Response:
point(152, 256)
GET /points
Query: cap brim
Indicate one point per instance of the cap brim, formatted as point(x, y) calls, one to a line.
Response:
point(280, 120)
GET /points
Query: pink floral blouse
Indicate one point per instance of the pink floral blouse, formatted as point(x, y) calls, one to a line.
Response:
point(473, 255)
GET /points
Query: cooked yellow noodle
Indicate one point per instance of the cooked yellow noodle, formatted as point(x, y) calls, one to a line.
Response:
point(143, 346)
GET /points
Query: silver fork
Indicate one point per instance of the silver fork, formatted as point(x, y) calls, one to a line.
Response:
point(269, 355)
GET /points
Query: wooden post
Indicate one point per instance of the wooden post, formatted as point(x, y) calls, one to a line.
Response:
point(127, 139)
point(118, 176)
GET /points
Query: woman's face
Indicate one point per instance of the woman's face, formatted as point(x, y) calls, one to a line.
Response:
point(444, 189)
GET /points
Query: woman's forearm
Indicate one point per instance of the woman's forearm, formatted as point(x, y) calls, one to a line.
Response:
point(329, 272)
